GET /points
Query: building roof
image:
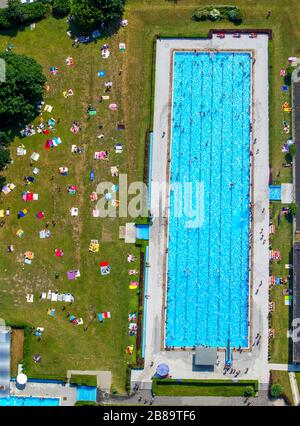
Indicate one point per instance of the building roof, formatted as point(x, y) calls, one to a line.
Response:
point(205, 356)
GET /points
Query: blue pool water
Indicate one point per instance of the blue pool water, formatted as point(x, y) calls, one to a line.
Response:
point(208, 275)
point(17, 401)
point(86, 393)
point(142, 232)
point(275, 192)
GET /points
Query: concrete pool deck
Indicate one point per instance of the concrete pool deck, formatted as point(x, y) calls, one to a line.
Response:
point(180, 362)
point(66, 393)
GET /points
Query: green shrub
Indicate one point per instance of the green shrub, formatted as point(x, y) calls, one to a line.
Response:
point(235, 16)
point(276, 390)
point(61, 7)
point(201, 15)
point(83, 380)
point(217, 13)
point(83, 403)
point(293, 209)
point(249, 391)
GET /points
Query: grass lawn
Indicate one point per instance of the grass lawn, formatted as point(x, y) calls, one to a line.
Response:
point(64, 346)
point(282, 377)
point(281, 346)
point(298, 379)
point(202, 387)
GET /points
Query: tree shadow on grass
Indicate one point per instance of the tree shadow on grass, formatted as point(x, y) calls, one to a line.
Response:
point(108, 30)
point(13, 32)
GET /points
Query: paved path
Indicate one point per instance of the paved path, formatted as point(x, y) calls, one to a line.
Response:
point(285, 367)
point(66, 393)
point(294, 387)
point(145, 398)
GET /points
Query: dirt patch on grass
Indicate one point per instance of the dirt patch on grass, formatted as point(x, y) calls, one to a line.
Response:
point(16, 351)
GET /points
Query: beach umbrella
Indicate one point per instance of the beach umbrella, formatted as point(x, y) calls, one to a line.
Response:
point(162, 370)
point(37, 358)
point(113, 107)
point(22, 379)
point(101, 73)
point(40, 215)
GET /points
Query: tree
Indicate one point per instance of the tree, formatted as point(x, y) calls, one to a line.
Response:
point(4, 140)
point(276, 390)
point(61, 7)
point(90, 13)
point(14, 10)
point(22, 89)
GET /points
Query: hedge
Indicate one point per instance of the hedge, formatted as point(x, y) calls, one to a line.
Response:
point(83, 380)
point(206, 385)
point(82, 403)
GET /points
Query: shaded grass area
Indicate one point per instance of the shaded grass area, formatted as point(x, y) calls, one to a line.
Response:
point(281, 345)
point(282, 377)
point(168, 387)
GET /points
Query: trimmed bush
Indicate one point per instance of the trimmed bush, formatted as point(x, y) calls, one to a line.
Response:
point(61, 7)
point(83, 380)
point(235, 16)
point(249, 391)
point(83, 403)
point(276, 390)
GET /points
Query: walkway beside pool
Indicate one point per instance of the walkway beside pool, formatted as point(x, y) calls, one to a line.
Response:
point(181, 362)
point(66, 393)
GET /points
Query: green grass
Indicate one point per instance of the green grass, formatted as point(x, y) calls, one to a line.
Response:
point(282, 377)
point(83, 380)
point(168, 387)
point(281, 319)
point(102, 346)
point(64, 346)
point(298, 379)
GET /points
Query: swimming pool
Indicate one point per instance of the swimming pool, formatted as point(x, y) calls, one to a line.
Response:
point(275, 192)
point(86, 393)
point(208, 266)
point(16, 401)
